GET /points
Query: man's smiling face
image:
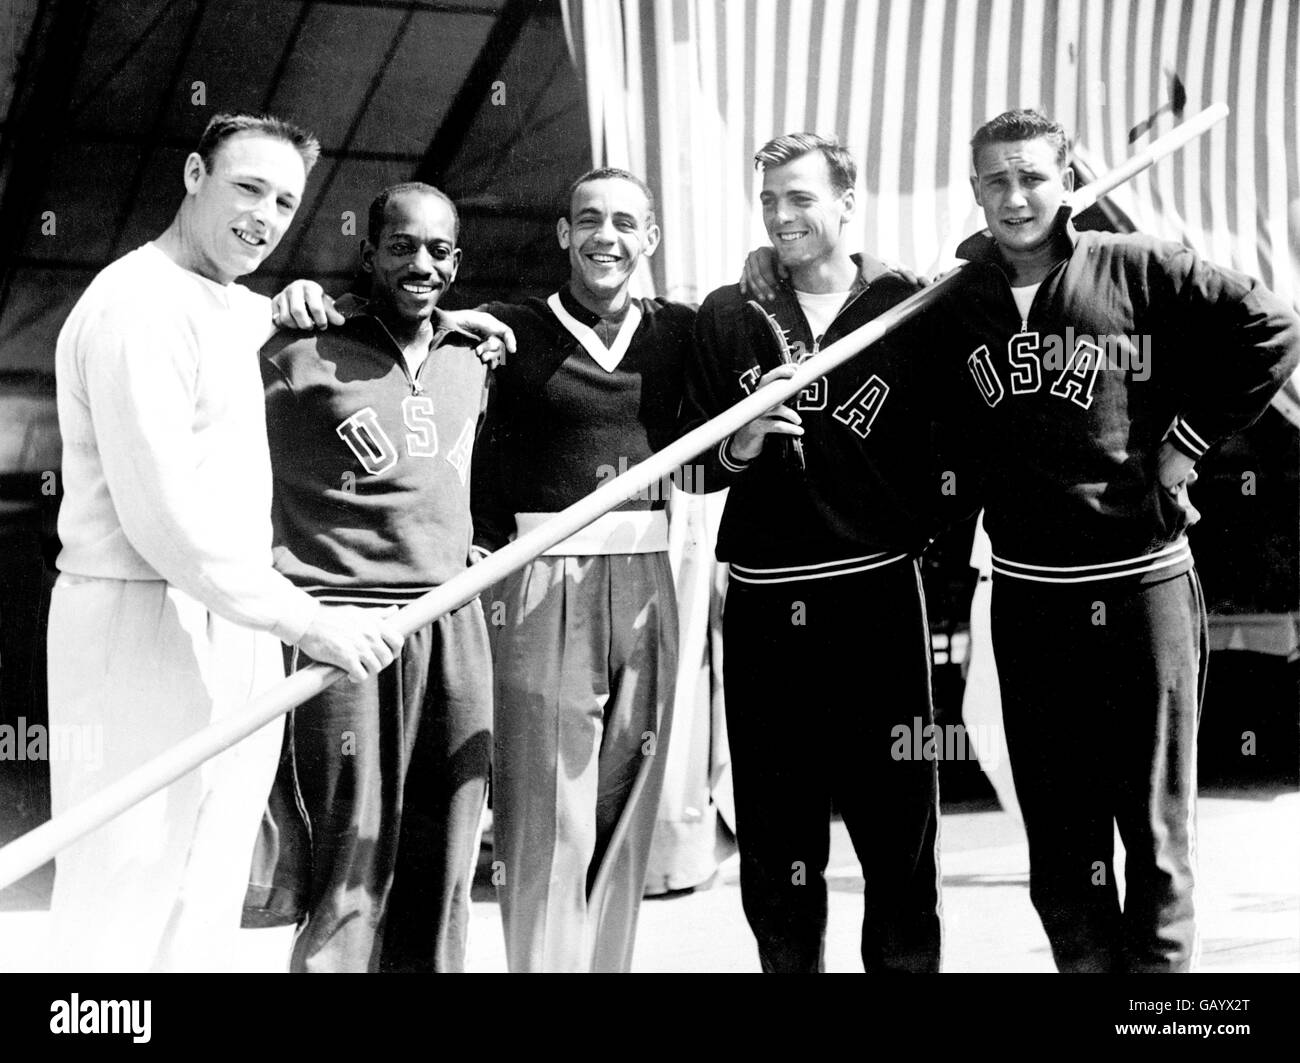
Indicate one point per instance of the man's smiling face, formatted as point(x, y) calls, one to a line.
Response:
point(803, 213)
point(415, 258)
point(244, 204)
point(608, 229)
point(1021, 184)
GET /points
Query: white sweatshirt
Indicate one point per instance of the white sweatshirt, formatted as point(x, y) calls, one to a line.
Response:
point(165, 464)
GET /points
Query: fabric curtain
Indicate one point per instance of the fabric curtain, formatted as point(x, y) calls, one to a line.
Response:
point(685, 91)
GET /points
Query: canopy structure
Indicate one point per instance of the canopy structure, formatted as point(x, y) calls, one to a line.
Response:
point(104, 100)
point(100, 102)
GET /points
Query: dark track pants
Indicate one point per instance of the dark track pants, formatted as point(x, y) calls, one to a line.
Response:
point(391, 775)
point(1101, 695)
point(811, 712)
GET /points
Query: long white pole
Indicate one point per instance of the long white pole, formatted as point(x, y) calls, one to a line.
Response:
point(25, 854)
point(1182, 134)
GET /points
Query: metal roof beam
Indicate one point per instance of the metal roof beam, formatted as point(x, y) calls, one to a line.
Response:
point(431, 7)
point(186, 144)
point(487, 65)
point(39, 116)
point(345, 147)
point(282, 67)
point(155, 129)
point(92, 94)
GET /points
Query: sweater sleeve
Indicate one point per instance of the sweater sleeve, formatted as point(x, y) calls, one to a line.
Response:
point(494, 520)
point(141, 375)
point(1242, 341)
point(712, 384)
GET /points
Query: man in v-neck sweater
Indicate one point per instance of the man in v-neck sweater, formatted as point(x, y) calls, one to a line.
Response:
point(586, 655)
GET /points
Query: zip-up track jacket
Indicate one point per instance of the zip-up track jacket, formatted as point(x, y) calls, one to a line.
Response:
point(870, 487)
point(372, 465)
point(1129, 341)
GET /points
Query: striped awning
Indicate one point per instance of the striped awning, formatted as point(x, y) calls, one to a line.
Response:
point(686, 90)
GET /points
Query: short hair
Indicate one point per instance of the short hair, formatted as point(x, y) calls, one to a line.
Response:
point(609, 173)
point(1011, 126)
point(221, 127)
point(379, 206)
point(781, 150)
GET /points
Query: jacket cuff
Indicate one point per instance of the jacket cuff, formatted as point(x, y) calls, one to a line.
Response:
point(1187, 439)
point(728, 461)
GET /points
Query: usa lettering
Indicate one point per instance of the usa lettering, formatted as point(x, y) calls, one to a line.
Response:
point(1028, 358)
point(366, 438)
point(859, 413)
point(422, 433)
point(377, 452)
point(813, 398)
point(1080, 374)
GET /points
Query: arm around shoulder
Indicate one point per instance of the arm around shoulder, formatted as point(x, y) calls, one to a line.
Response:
point(711, 385)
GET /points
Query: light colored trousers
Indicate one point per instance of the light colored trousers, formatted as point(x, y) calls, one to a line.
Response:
point(160, 887)
point(586, 662)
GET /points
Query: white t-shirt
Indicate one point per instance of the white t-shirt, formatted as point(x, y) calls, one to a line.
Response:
point(415, 359)
point(1024, 297)
point(820, 309)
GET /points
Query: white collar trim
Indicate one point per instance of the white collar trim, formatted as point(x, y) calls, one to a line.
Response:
point(606, 357)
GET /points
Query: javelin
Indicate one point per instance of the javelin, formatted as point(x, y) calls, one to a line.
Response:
point(1155, 151)
point(28, 852)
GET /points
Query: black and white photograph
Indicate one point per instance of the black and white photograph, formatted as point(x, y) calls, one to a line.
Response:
point(657, 487)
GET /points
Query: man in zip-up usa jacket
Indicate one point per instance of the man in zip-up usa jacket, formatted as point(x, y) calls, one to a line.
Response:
point(1092, 371)
point(827, 649)
point(371, 428)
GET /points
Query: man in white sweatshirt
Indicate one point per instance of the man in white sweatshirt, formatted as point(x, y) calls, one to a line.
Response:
point(167, 613)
